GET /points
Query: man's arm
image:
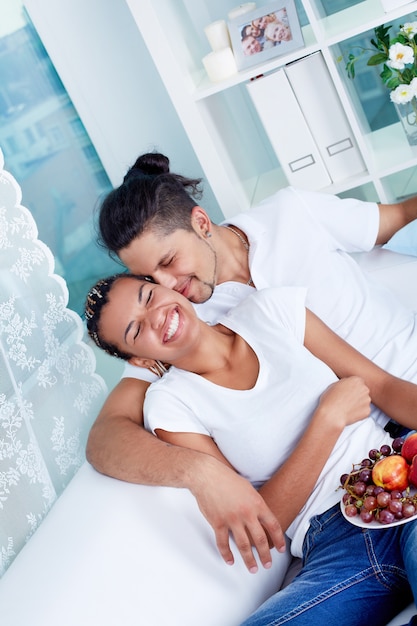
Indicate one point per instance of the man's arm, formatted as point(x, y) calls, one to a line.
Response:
point(115, 437)
point(393, 217)
point(120, 447)
point(395, 396)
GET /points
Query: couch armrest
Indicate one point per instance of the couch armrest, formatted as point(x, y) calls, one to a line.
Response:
point(112, 553)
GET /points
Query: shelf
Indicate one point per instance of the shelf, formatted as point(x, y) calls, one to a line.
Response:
point(391, 150)
point(402, 184)
point(359, 19)
point(222, 122)
point(351, 20)
point(267, 184)
point(206, 88)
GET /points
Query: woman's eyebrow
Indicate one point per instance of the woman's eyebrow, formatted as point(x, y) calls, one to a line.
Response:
point(141, 293)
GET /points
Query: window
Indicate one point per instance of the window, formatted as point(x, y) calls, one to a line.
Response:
point(370, 90)
point(48, 151)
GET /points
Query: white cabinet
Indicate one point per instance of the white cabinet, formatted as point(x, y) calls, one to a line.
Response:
point(222, 123)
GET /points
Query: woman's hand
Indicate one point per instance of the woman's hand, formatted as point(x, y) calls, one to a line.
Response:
point(345, 402)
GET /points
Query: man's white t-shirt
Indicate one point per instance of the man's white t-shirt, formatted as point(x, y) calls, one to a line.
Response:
point(302, 238)
point(257, 429)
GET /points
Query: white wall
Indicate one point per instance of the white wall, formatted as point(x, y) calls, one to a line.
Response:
point(102, 60)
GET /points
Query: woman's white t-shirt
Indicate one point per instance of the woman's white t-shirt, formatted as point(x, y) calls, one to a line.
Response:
point(257, 429)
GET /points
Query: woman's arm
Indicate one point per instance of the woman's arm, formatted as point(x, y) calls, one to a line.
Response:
point(396, 397)
point(286, 492)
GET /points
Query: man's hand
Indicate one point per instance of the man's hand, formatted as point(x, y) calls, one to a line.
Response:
point(231, 505)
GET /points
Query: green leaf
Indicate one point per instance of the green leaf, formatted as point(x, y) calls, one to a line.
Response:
point(376, 59)
point(350, 68)
point(393, 83)
point(376, 44)
point(381, 33)
point(386, 73)
point(402, 39)
point(407, 75)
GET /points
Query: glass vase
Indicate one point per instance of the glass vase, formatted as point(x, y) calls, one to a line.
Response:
point(407, 112)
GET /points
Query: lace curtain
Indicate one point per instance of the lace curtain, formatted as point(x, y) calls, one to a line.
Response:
point(49, 392)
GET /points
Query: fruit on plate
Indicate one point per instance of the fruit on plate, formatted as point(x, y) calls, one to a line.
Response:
point(380, 487)
point(391, 472)
point(409, 447)
point(412, 475)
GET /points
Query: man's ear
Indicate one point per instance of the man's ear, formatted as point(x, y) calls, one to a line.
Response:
point(141, 362)
point(200, 221)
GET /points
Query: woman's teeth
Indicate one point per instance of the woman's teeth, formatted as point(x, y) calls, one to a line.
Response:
point(173, 325)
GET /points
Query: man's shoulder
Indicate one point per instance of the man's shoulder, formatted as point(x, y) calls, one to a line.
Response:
point(225, 296)
point(280, 197)
point(270, 303)
point(272, 207)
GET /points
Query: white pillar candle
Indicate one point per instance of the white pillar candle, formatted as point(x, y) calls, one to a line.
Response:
point(241, 10)
point(218, 35)
point(220, 64)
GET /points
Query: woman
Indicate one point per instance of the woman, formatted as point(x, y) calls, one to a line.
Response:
point(270, 374)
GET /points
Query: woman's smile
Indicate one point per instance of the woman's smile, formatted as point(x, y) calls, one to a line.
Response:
point(173, 324)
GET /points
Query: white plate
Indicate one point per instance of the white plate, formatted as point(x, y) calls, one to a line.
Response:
point(357, 521)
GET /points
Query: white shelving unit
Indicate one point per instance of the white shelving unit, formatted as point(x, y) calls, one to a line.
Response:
point(220, 119)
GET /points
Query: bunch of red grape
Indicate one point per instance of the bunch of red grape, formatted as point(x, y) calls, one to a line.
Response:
point(371, 502)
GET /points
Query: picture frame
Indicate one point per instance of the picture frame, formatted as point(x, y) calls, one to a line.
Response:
point(266, 32)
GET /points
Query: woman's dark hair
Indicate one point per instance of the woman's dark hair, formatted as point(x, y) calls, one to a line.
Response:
point(149, 197)
point(243, 33)
point(96, 300)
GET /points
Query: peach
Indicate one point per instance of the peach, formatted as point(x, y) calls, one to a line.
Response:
point(391, 472)
point(412, 475)
point(409, 448)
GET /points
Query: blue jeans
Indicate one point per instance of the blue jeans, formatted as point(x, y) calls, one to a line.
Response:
point(349, 577)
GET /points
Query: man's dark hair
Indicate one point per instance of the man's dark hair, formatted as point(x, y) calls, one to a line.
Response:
point(149, 197)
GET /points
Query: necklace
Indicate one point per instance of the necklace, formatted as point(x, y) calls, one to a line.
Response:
point(245, 245)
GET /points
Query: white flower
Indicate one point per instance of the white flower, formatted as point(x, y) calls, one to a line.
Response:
point(403, 93)
point(400, 56)
point(413, 86)
point(409, 29)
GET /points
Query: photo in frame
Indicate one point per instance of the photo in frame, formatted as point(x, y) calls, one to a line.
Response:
point(265, 33)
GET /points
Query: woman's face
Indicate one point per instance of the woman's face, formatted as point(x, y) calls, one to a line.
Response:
point(251, 29)
point(149, 321)
point(261, 22)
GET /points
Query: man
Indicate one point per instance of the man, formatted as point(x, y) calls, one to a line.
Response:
point(294, 238)
point(251, 45)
